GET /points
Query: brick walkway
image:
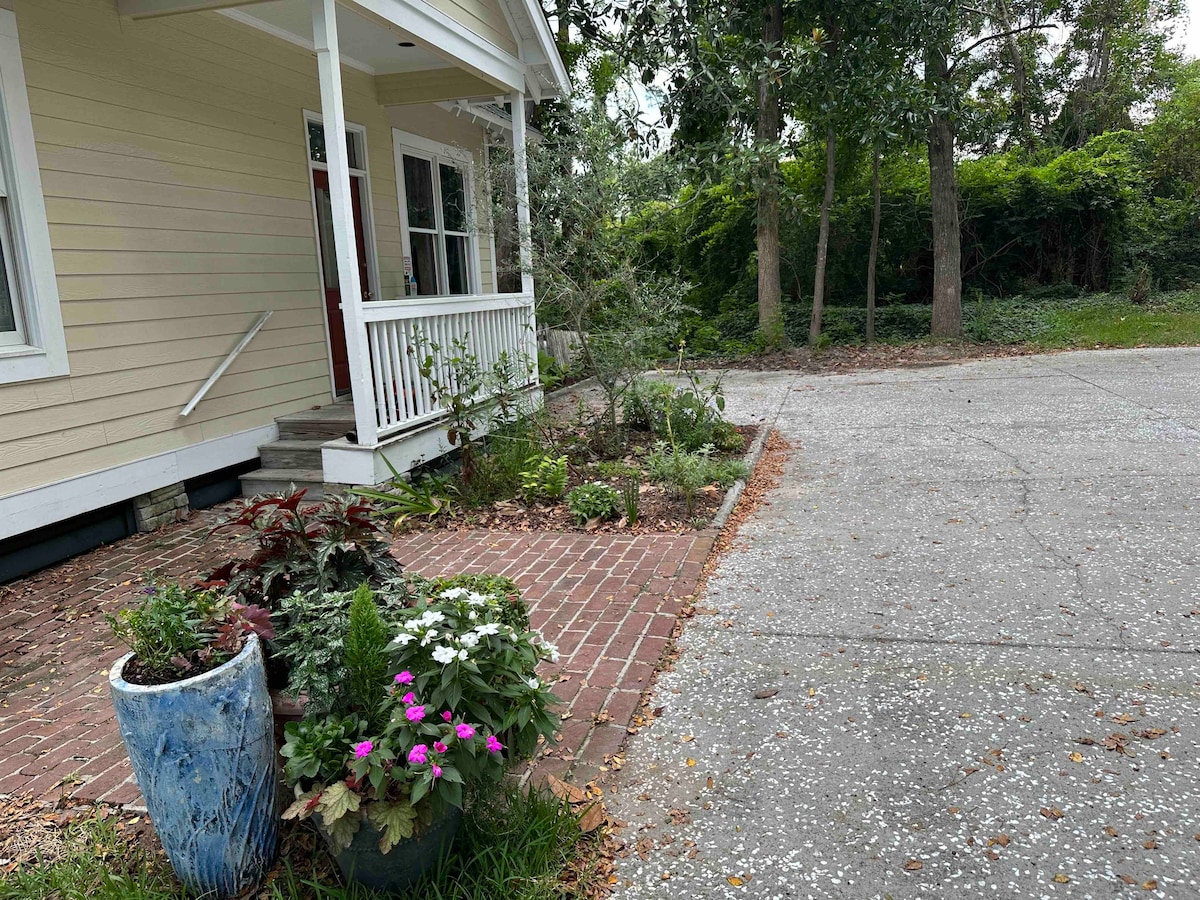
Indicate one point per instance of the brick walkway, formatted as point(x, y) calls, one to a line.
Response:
point(609, 601)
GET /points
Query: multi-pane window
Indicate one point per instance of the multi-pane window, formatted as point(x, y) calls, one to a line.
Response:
point(437, 209)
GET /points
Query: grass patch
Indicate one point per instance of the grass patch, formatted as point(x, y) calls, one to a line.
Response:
point(516, 845)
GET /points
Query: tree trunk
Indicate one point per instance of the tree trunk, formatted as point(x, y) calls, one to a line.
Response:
point(873, 257)
point(943, 189)
point(770, 299)
point(814, 327)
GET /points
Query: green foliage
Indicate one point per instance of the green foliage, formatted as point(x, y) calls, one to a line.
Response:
point(630, 497)
point(312, 641)
point(315, 749)
point(545, 479)
point(403, 499)
point(686, 472)
point(167, 626)
point(464, 657)
point(645, 403)
point(593, 500)
point(366, 657)
point(334, 545)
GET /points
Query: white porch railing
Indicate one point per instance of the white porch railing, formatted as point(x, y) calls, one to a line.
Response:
point(400, 332)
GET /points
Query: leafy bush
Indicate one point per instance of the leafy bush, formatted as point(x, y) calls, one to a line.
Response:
point(645, 403)
point(513, 611)
point(593, 500)
point(457, 653)
point(686, 472)
point(334, 545)
point(311, 636)
point(403, 499)
point(545, 479)
point(176, 633)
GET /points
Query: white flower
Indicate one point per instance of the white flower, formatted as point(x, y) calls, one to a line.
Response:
point(474, 599)
point(462, 654)
point(470, 639)
point(430, 636)
point(413, 625)
point(472, 615)
point(443, 654)
point(489, 628)
point(551, 651)
point(432, 617)
point(535, 684)
point(404, 638)
point(454, 593)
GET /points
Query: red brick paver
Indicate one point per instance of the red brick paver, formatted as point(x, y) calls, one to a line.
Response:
point(610, 602)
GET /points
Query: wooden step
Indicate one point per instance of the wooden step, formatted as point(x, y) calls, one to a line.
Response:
point(325, 422)
point(284, 481)
point(291, 453)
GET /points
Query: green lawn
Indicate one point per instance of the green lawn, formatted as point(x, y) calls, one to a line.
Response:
point(516, 846)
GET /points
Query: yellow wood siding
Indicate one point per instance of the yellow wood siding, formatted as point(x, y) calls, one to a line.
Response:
point(175, 174)
point(484, 17)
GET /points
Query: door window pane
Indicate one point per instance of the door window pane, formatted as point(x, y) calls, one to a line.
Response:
point(418, 191)
point(328, 252)
point(456, 264)
point(454, 198)
point(316, 146)
point(424, 259)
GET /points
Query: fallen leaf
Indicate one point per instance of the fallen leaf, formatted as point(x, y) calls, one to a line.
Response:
point(1150, 885)
point(735, 881)
point(593, 817)
point(765, 693)
point(690, 762)
point(1151, 844)
point(1128, 879)
point(1051, 812)
point(999, 840)
point(1110, 831)
point(709, 783)
point(914, 865)
point(1075, 756)
point(687, 738)
point(1062, 878)
point(565, 791)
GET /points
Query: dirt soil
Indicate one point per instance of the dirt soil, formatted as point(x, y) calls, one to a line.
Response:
point(867, 356)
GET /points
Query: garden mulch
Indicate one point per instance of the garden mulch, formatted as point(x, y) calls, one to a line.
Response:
point(610, 602)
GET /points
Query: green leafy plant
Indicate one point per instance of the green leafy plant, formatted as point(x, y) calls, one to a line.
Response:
point(176, 632)
point(311, 634)
point(366, 656)
point(403, 499)
point(686, 472)
point(334, 545)
point(512, 608)
point(545, 478)
point(593, 500)
point(645, 403)
point(631, 492)
point(462, 656)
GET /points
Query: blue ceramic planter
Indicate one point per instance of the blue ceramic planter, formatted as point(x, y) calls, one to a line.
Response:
point(203, 752)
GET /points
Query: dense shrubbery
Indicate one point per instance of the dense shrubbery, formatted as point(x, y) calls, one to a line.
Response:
point(1121, 210)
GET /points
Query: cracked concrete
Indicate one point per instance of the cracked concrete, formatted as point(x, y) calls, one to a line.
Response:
point(972, 614)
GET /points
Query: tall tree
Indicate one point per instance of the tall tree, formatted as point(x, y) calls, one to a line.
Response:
point(767, 134)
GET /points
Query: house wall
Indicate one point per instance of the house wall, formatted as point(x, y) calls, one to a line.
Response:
point(175, 173)
point(484, 17)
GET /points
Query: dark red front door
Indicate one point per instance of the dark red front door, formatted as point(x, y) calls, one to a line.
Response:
point(333, 292)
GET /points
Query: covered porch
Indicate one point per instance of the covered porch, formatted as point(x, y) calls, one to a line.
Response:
point(480, 62)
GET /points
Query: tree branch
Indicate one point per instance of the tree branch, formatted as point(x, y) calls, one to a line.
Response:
point(992, 37)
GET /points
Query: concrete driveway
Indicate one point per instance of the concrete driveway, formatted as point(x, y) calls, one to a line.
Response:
point(974, 603)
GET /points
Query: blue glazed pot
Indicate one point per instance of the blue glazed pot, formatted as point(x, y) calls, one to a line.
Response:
point(402, 866)
point(203, 752)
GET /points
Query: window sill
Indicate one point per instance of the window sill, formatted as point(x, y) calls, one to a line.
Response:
point(23, 362)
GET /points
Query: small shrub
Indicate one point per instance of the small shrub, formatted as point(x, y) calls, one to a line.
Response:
point(366, 658)
point(545, 478)
point(631, 492)
point(645, 403)
point(334, 545)
point(686, 472)
point(593, 500)
point(401, 500)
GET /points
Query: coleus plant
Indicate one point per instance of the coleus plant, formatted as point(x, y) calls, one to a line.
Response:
point(398, 780)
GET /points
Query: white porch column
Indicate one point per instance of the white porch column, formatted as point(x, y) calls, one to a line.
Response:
point(521, 164)
point(329, 69)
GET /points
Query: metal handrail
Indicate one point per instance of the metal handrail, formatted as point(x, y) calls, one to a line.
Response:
point(212, 379)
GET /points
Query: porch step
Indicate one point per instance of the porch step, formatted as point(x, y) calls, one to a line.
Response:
point(324, 423)
point(278, 481)
point(291, 453)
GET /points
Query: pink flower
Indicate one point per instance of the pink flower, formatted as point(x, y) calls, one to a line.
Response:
point(363, 750)
point(447, 716)
point(417, 756)
point(464, 731)
point(415, 713)
point(409, 699)
point(493, 745)
point(439, 747)
point(404, 677)
point(436, 770)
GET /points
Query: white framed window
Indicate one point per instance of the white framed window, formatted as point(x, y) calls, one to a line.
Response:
point(32, 344)
point(441, 243)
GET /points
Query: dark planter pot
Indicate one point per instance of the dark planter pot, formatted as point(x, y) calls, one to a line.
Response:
point(203, 752)
point(406, 863)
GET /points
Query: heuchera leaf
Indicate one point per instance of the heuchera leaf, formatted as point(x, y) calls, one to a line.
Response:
point(304, 805)
point(336, 801)
point(395, 822)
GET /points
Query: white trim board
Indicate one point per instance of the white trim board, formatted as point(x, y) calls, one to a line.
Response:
point(36, 507)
